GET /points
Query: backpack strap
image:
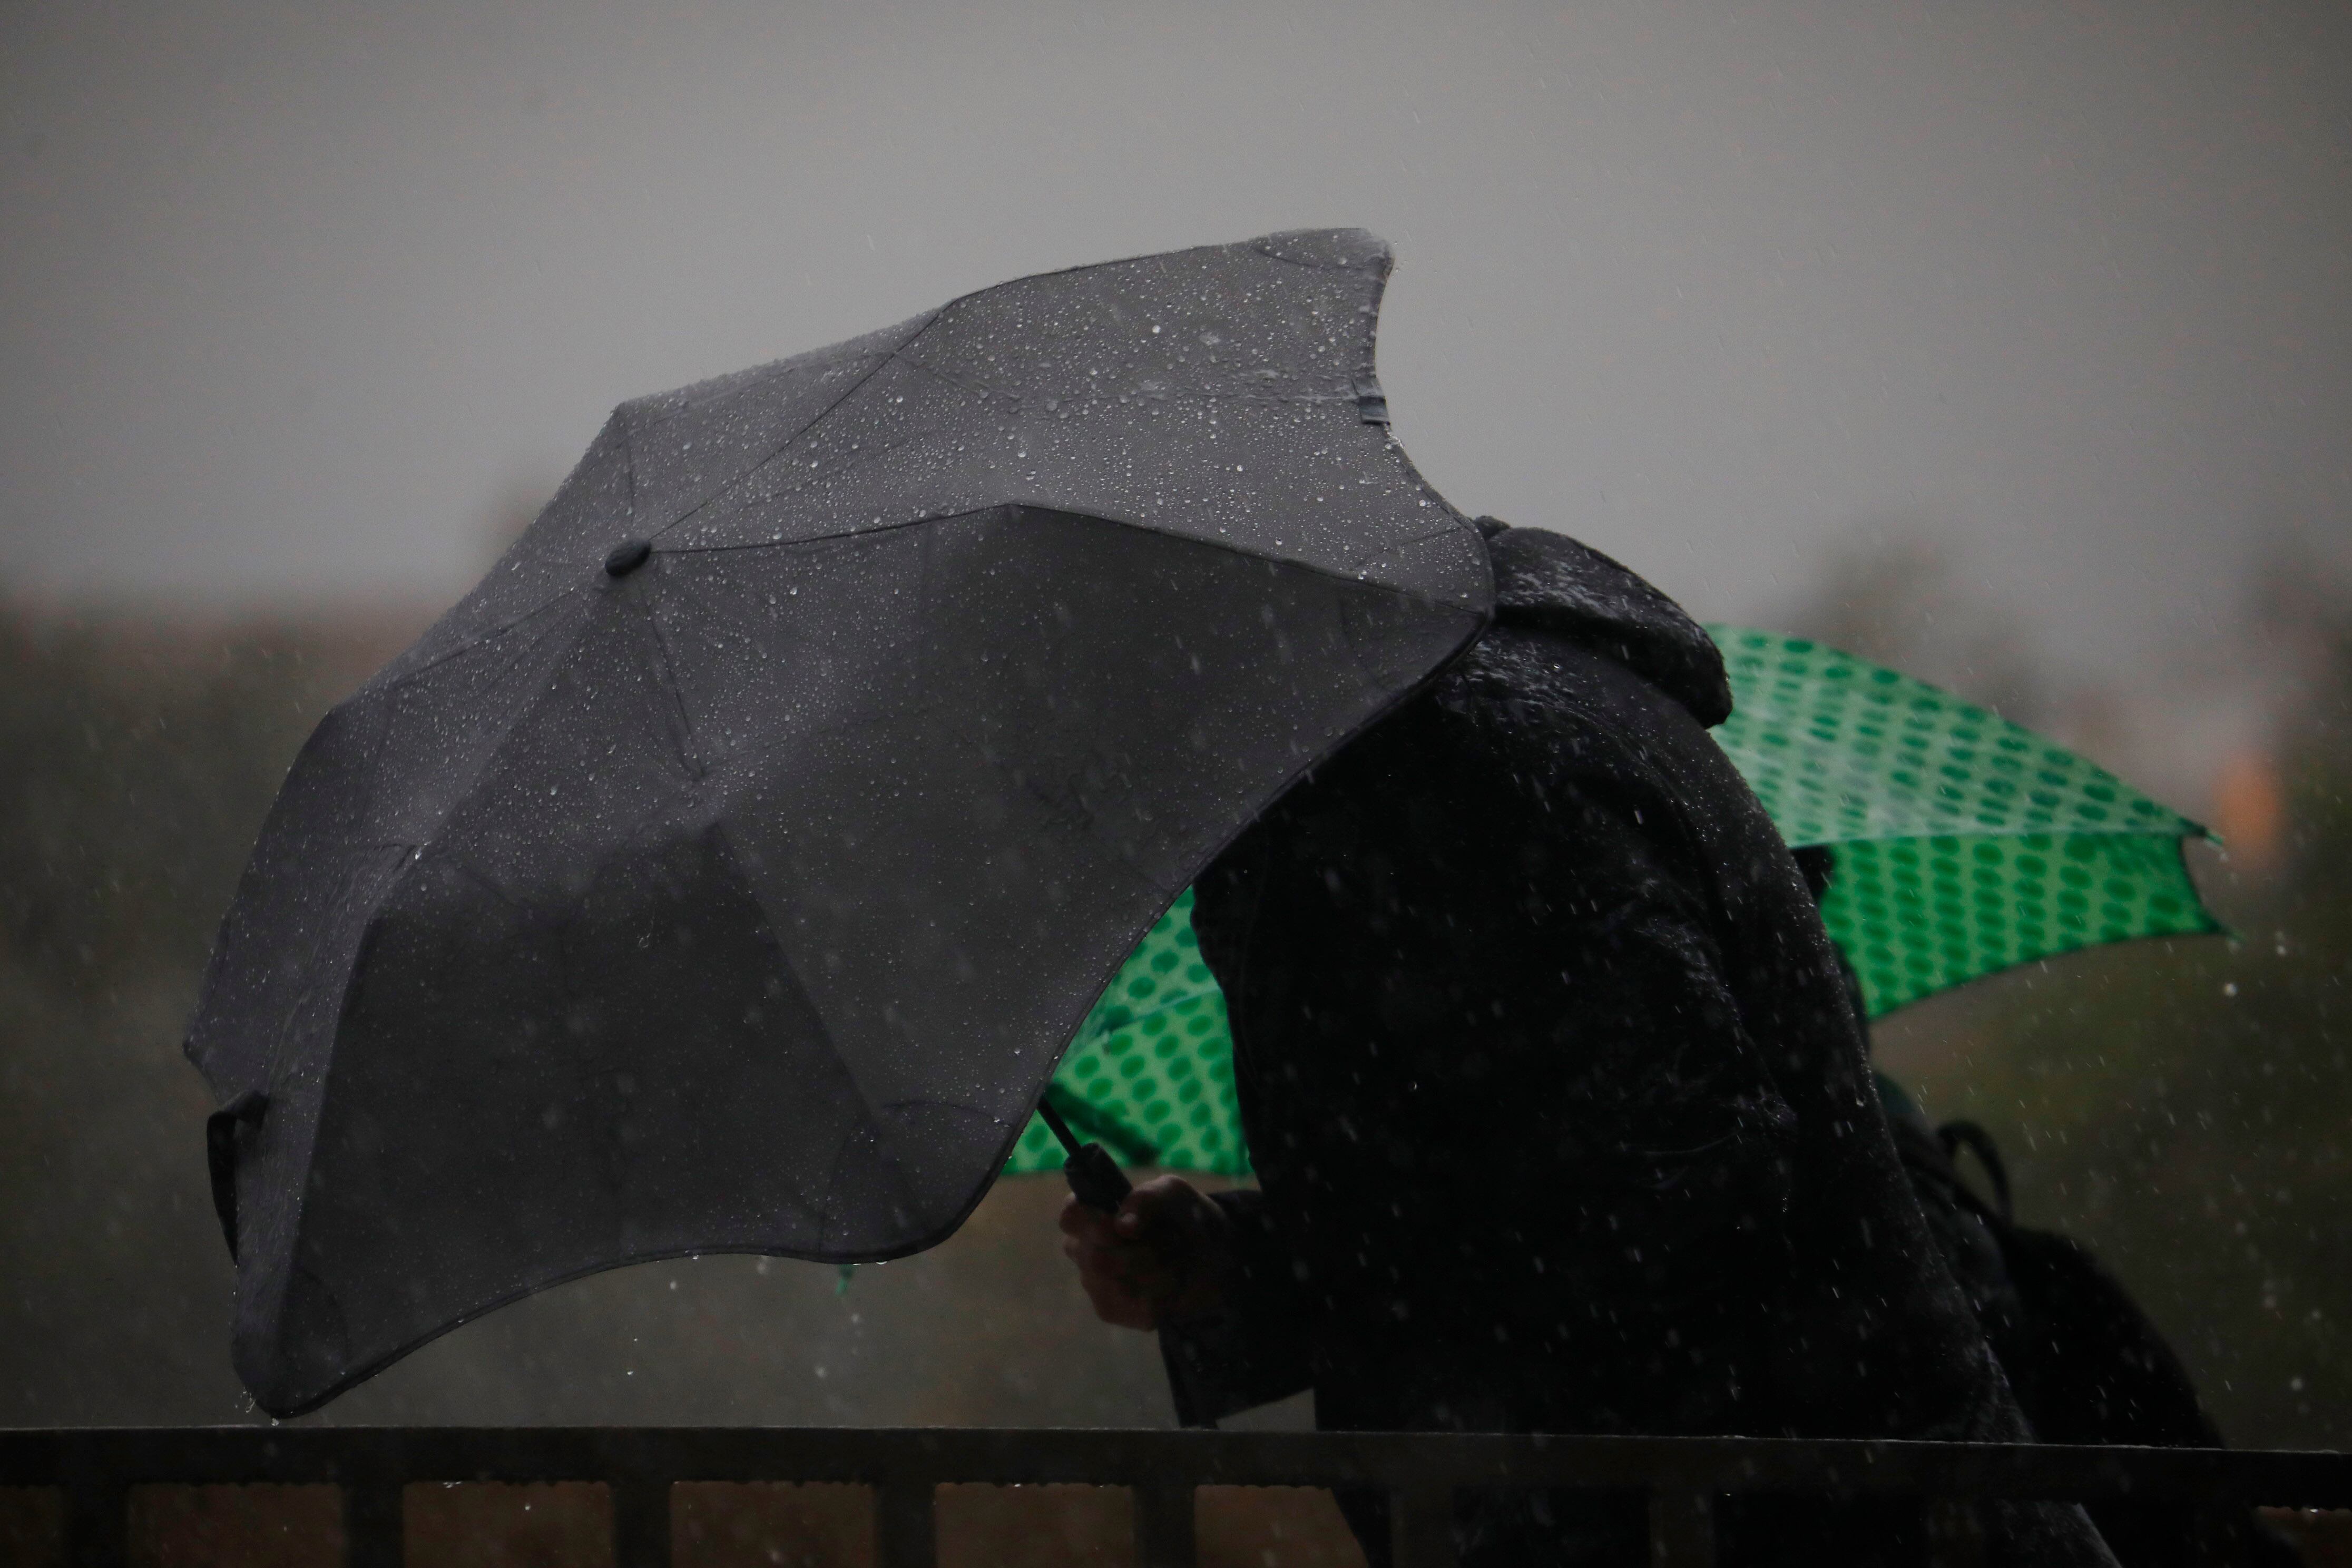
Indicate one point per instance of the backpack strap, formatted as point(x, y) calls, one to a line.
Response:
point(1956, 1136)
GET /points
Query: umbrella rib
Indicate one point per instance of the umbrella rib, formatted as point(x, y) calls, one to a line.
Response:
point(1407, 543)
point(785, 444)
point(873, 1112)
point(796, 485)
point(490, 743)
point(344, 986)
point(1112, 854)
point(665, 676)
point(963, 383)
point(281, 1036)
point(505, 629)
point(1330, 574)
point(866, 459)
point(1157, 1008)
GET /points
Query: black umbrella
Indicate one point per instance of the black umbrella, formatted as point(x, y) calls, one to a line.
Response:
point(729, 870)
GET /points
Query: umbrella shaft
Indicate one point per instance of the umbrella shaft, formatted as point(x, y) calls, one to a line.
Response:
point(1094, 1175)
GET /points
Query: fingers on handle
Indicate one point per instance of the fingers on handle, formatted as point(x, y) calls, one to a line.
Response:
point(1160, 1197)
point(1086, 1224)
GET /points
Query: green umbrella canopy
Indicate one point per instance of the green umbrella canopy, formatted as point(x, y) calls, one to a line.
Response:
point(1962, 844)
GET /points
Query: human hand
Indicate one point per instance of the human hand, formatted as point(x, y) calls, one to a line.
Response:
point(1162, 1259)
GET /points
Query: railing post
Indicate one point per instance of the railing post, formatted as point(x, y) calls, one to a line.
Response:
point(1682, 1530)
point(1164, 1525)
point(641, 1534)
point(1955, 1533)
point(1421, 1526)
point(906, 1532)
point(375, 1527)
point(98, 1523)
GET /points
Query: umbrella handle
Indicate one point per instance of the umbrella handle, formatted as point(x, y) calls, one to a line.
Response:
point(1096, 1179)
point(1094, 1175)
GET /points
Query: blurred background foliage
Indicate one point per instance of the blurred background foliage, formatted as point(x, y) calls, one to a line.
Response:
point(2185, 1107)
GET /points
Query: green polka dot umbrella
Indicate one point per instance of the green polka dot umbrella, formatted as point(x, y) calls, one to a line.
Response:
point(1963, 844)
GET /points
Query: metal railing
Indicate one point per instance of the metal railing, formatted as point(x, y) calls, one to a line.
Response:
point(1420, 1472)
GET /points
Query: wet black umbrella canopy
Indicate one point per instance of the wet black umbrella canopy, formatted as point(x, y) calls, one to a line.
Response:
point(729, 870)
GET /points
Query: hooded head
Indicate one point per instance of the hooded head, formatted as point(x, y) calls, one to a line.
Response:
point(1551, 582)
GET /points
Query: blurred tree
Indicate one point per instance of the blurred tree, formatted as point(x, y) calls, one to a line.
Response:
point(132, 776)
point(135, 765)
point(1901, 601)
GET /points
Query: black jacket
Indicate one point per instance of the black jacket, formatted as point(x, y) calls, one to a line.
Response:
point(1558, 1107)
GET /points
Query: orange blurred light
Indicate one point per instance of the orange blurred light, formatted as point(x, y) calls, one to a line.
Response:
point(2250, 809)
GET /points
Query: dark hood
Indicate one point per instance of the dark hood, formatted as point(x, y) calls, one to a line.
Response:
point(1551, 582)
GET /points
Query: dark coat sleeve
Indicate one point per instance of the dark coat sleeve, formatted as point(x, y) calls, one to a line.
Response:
point(1254, 1349)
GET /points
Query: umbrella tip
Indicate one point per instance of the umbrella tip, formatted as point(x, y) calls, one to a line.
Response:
point(627, 556)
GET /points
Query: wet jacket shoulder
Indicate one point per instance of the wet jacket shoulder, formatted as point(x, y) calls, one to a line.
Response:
point(1550, 584)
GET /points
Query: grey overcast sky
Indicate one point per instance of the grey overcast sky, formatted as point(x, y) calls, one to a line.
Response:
point(295, 299)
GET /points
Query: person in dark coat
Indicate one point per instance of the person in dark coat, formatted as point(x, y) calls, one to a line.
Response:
point(1558, 1107)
